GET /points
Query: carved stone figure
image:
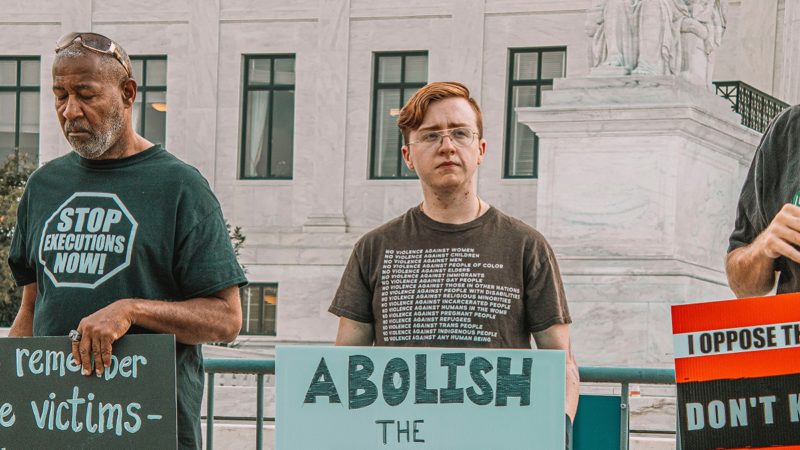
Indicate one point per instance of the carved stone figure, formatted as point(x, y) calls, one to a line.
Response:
point(610, 25)
point(659, 36)
point(702, 35)
point(655, 37)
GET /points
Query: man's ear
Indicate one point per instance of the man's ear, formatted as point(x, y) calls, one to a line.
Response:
point(481, 150)
point(407, 157)
point(128, 89)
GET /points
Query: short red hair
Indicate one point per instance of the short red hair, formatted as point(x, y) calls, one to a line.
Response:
point(413, 113)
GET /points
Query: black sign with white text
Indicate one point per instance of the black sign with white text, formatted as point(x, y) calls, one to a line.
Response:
point(759, 411)
point(46, 403)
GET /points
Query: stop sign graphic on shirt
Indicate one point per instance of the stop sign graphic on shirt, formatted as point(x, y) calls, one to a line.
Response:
point(87, 240)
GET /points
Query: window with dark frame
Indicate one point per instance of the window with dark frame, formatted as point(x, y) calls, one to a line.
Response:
point(150, 120)
point(530, 72)
point(19, 106)
point(267, 140)
point(259, 305)
point(396, 77)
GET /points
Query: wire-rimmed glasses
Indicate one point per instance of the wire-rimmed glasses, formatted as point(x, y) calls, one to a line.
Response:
point(460, 137)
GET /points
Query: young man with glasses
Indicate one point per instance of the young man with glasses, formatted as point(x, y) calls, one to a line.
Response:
point(119, 236)
point(453, 271)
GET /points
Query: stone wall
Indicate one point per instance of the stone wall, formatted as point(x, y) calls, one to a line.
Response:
point(300, 231)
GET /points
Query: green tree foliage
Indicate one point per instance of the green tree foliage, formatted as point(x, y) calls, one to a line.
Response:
point(14, 175)
point(237, 240)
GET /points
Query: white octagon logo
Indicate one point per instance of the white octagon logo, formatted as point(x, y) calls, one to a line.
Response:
point(87, 240)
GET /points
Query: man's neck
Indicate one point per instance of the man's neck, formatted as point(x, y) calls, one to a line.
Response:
point(453, 208)
point(128, 144)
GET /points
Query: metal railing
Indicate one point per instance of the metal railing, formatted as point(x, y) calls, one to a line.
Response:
point(756, 108)
point(260, 367)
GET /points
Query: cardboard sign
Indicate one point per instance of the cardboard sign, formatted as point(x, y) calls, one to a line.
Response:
point(737, 366)
point(597, 422)
point(436, 398)
point(45, 402)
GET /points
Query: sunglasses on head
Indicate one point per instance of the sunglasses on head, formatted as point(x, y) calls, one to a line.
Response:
point(95, 42)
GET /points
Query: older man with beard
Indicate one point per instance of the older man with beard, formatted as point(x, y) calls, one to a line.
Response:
point(119, 236)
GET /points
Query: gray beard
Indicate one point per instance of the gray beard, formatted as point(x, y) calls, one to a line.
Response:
point(99, 143)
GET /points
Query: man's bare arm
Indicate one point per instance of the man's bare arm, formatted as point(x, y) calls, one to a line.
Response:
point(749, 274)
point(751, 269)
point(557, 338)
point(216, 318)
point(23, 322)
point(353, 332)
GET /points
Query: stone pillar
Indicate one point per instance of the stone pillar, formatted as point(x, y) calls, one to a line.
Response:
point(202, 87)
point(756, 43)
point(76, 15)
point(327, 212)
point(466, 37)
point(789, 89)
point(638, 182)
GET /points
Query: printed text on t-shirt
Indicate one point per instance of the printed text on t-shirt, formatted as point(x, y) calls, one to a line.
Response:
point(434, 294)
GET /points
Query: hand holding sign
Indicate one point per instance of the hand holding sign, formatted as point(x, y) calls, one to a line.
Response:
point(98, 332)
point(782, 235)
point(750, 266)
point(45, 404)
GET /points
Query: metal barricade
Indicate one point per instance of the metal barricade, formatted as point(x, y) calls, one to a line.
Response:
point(260, 367)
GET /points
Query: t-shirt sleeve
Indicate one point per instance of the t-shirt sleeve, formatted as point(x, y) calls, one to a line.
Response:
point(545, 300)
point(205, 262)
point(18, 260)
point(353, 298)
point(771, 180)
point(749, 221)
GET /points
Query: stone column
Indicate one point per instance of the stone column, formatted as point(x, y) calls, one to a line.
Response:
point(465, 50)
point(638, 182)
point(789, 88)
point(202, 87)
point(327, 213)
point(756, 43)
point(76, 15)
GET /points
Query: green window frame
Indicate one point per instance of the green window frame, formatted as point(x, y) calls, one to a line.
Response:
point(150, 73)
point(268, 102)
point(19, 123)
point(396, 77)
point(259, 309)
point(530, 71)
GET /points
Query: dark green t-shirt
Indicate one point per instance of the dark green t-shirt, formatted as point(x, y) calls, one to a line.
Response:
point(772, 181)
point(490, 282)
point(91, 232)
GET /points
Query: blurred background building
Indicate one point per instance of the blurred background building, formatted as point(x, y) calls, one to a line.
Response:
point(289, 110)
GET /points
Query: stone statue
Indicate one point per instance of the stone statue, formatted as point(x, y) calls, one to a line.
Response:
point(655, 37)
point(659, 36)
point(610, 25)
point(702, 34)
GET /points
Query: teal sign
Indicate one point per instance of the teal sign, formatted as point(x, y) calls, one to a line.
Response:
point(598, 422)
point(370, 398)
point(45, 402)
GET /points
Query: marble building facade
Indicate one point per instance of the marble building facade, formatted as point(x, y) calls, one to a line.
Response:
point(299, 231)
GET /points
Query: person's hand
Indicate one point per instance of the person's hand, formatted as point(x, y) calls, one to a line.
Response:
point(98, 332)
point(782, 236)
